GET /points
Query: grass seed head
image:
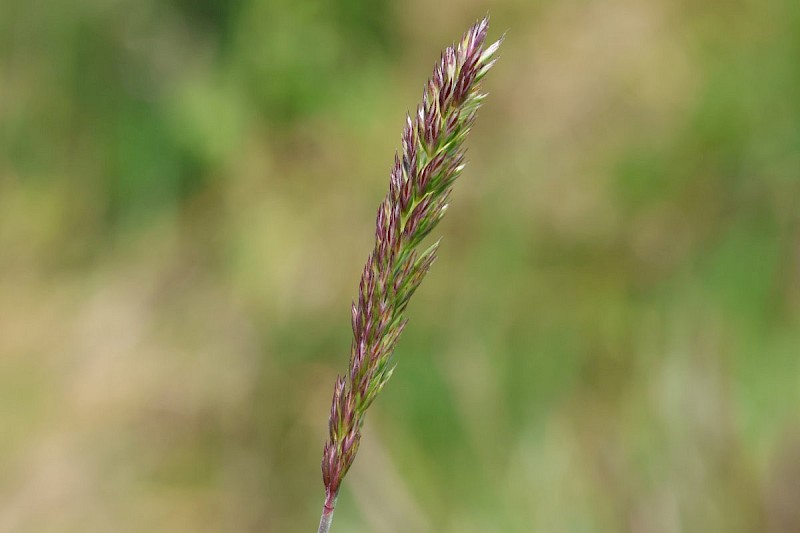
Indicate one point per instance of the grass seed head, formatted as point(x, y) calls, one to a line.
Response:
point(430, 160)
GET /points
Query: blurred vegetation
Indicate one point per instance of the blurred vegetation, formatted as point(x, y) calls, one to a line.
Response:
point(609, 341)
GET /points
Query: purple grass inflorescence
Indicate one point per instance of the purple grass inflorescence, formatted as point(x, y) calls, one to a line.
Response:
point(431, 159)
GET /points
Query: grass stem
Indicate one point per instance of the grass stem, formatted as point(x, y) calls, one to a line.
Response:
point(327, 515)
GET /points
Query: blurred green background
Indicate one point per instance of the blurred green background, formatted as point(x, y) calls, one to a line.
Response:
point(609, 341)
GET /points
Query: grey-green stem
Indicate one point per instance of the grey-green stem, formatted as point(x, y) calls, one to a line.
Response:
point(327, 515)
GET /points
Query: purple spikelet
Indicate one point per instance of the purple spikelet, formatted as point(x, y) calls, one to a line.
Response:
point(431, 158)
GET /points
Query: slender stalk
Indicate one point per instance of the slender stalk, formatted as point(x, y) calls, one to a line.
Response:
point(327, 515)
point(430, 160)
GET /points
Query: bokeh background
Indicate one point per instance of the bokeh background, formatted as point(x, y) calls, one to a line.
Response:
point(609, 341)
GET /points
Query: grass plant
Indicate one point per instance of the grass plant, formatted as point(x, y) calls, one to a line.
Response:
point(430, 160)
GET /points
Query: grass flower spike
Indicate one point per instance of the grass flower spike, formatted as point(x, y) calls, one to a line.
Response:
point(431, 159)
